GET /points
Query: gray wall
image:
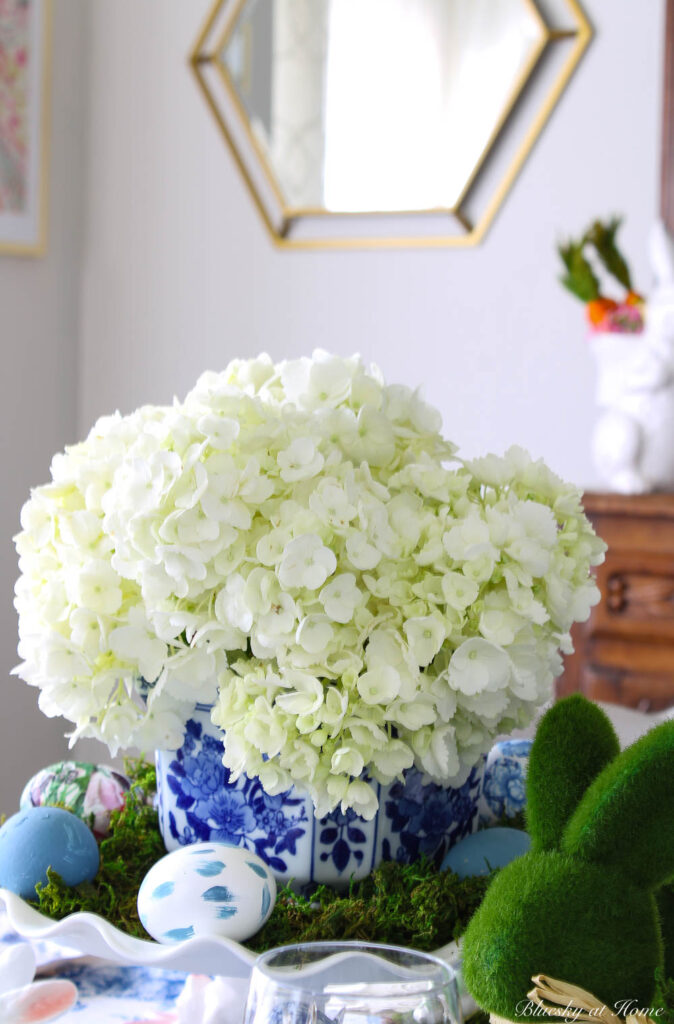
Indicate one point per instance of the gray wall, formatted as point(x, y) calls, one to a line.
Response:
point(39, 381)
point(180, 274)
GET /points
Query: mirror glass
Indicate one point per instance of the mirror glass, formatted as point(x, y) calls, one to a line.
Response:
point(377, 105)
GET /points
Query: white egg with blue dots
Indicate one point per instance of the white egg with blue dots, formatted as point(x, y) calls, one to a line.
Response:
point(206, 889)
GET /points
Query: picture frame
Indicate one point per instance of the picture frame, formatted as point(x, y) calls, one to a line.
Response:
point(25, 42)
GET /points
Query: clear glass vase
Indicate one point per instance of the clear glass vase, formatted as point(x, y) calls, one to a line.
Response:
point(351, 983)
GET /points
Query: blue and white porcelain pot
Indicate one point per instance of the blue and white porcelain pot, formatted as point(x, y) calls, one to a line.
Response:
point(197, 802)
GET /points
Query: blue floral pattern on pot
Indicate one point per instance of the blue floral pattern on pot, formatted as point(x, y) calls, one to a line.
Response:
point(429, 819)
point(197, 802)
point(343, 841)
point(503, 788)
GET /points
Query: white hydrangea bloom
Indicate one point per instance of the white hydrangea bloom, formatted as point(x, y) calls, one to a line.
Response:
point(300, 460)
point(478, 665)
point(297, 544)
point(341, 597)
point(136, 644)
point(306, 563)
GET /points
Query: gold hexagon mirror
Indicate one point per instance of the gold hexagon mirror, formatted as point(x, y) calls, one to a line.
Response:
point(384, 122)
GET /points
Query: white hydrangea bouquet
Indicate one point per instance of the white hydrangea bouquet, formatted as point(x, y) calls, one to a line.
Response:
point(297, 545)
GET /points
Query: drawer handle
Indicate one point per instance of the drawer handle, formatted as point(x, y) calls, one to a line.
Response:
point(616, 593)
point(643, 594)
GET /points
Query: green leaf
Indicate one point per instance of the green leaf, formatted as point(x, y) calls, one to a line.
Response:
point(579, 278)
point(603, 238)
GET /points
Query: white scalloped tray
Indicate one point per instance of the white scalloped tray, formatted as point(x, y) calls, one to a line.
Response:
point(93, 935)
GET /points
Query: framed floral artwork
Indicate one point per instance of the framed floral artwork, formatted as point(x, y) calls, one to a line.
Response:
point(24, 72)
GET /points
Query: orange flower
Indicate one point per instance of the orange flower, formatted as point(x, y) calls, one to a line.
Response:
point(598, 308)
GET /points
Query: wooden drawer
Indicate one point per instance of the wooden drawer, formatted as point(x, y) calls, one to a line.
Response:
point(642, 690)
point(636, 522)
point(625, 651)
point(637, 597)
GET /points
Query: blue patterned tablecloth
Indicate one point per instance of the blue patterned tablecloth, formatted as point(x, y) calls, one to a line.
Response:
point(122, 994)
point(108, 993)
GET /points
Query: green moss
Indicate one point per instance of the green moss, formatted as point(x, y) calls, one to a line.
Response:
point(574, 742)
point(585, 912)
point(549, 913)
point(664, 997)
point(412, 905)
point(665, 900)
point(403, 904)
point(625, 821)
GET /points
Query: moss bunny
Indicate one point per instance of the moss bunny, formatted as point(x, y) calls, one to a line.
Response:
point(580, 906)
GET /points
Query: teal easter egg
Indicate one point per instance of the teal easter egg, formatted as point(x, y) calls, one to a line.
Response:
point(206, 889)
point(482, 852)
point(45, 837)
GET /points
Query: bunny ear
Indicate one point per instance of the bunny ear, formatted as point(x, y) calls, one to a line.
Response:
point(41, 1001)
point(626, 818)
point(574, 742)
point(661, 246)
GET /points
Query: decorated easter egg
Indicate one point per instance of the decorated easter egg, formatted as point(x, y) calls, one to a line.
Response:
point(503, 783)
point(91, 791)
point(482, 852)
point(206, 889)
point(38, 838)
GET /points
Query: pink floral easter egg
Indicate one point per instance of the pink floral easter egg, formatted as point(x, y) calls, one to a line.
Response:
point(91, 791)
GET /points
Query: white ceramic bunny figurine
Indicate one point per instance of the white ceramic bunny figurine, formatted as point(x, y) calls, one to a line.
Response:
point(212, 1000)
point(24, 1001)
point(633, 443)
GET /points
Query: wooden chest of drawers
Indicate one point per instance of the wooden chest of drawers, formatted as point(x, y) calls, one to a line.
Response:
point(625, 652)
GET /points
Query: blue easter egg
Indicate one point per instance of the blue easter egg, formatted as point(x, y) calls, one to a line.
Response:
point(38, 838)
point(481, 852)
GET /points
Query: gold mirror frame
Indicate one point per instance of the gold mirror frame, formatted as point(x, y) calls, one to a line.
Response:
point(565, 35)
